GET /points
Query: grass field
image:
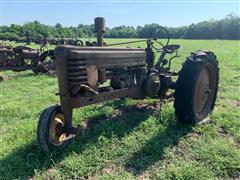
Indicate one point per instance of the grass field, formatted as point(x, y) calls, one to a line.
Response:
point(127, 139)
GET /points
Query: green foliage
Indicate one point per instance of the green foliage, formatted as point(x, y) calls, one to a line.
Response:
point(227, 28)
point(121, 31)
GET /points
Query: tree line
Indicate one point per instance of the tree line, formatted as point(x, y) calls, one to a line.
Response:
point(227, 28)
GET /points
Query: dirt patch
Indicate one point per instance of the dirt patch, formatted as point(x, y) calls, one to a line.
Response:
point(5, 77)
point(108, 169)
point(233, 102)
point(144, 176)
point(223, 132)
point(193, 135)
point(142, 106)
point(156, 106)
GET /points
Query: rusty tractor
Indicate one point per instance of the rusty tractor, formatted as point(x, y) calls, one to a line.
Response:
point(22, 58)
point(131, 73)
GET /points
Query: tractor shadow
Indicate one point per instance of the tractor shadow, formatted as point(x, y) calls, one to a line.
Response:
point(154, 150)
point(25, 161)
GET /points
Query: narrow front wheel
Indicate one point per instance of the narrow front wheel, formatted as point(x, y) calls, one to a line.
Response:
point(50, 133)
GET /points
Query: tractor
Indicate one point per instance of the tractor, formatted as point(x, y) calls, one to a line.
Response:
point(129, 72)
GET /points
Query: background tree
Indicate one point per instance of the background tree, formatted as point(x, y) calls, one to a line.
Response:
point(227, 28)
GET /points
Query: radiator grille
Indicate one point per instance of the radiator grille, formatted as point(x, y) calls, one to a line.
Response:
point(77, 73)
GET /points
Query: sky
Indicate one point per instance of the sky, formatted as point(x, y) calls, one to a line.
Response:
point(172, 13)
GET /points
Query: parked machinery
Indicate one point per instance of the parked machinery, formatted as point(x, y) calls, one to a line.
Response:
point(23, 58)
point(132, 73)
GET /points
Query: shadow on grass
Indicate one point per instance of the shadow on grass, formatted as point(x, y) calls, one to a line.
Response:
point(25, 161)
point(155, 148)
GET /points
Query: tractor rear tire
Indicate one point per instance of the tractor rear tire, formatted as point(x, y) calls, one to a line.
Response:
point(48, 135)
point(196, 88)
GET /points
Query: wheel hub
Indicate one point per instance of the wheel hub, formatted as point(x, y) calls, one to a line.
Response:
point(204, 89)
point(56, 132)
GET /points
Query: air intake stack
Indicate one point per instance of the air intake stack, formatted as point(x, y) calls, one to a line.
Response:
point(99, 28)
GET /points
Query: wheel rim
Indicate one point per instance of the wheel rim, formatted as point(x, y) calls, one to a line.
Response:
point(56, 135)
point(47, 61)
point(204, 91)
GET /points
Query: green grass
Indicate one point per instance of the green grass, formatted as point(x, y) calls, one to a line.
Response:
point(125, 141)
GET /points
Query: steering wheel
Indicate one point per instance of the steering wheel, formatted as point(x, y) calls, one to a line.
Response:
point(169, 49)
point(154, 35)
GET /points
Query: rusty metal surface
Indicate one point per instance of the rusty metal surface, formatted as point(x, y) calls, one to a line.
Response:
point(204, 91)
point(100, 48)
point(105, 96)
point(77, 72)
point(99, 25)
point(23, 58)
point(108, 59)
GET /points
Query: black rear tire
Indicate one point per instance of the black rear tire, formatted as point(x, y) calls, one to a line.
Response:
point(196, 88)
point(46, 129)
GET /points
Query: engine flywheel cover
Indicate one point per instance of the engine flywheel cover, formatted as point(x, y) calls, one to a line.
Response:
point(152, 85)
